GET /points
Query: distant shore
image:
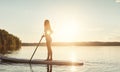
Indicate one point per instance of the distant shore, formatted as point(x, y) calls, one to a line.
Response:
point(76, 44)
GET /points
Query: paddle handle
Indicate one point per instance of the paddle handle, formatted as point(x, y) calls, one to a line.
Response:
point(36, 49)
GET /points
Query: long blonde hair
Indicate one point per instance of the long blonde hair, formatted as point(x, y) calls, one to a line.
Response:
point(47, 26)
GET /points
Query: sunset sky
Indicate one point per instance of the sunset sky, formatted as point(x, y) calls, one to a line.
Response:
point(71, 20)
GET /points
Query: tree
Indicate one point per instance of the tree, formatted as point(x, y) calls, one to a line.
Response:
point(8, 42)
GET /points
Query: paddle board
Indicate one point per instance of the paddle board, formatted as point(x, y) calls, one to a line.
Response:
point(38, 61)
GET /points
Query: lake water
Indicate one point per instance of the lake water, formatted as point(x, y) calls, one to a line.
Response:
point(95, 58)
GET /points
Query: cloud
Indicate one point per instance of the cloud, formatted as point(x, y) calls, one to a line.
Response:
point(118, 1)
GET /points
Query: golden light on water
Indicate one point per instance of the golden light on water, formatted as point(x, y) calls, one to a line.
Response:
point(73, 57)
point(73, 68)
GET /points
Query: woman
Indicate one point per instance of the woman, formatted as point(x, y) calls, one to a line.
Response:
point(47, 33)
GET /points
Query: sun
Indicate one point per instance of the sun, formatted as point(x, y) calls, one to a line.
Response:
point(66, 32)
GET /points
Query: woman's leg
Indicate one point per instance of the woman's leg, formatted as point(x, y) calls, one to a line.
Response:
point(49, 51)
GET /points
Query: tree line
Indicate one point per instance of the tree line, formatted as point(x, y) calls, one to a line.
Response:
point(75, 44)
point(8, 42)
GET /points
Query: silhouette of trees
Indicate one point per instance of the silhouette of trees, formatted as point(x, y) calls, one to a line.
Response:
point(8, 42)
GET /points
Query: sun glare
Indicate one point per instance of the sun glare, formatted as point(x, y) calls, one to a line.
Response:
point(73, 68)
point(73, 57)
point(67, 32)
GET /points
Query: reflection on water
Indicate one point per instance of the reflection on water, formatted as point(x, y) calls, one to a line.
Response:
point(49, 68)
point(73, 57)
point(73, 68)
point(31, 70)
point(95, 58)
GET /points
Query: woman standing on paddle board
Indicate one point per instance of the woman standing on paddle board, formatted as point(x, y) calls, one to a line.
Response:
point(47, 33)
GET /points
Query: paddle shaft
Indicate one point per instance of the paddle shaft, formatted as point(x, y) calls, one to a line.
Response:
point(35, 49)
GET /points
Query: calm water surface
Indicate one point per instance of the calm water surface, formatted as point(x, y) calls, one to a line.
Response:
point(95, 58)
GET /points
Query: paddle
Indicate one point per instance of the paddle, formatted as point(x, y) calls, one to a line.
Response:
point(36, 49)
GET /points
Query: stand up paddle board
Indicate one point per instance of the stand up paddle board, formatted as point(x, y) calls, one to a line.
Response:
point(39, 61)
